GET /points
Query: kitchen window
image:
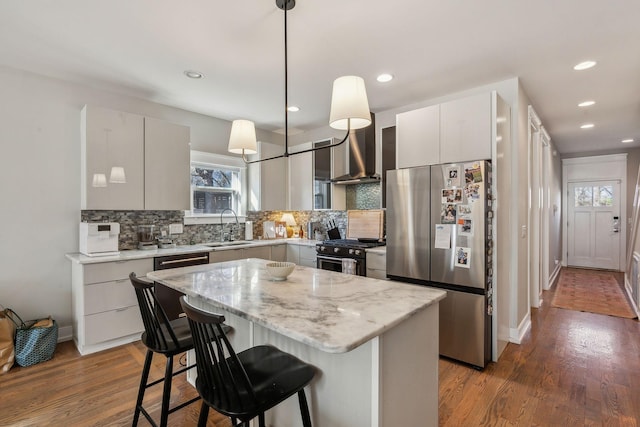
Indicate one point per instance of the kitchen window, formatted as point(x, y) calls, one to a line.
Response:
point(218, 183)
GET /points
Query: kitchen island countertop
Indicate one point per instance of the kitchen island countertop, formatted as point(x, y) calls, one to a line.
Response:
point(330, 311)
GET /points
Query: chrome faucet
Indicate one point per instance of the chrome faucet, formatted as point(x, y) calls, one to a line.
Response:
point(222, 225)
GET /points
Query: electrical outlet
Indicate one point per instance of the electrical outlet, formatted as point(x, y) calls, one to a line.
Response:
point(175, 228)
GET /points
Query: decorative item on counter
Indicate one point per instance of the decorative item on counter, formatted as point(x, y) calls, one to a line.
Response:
point(281, 230)
point(290, 223)
point(269, 230)
point(280, 270)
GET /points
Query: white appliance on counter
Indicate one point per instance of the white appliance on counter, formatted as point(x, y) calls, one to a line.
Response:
point(99, 238)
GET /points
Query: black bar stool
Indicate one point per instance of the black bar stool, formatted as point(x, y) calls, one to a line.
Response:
point(168, 338)
point(243, 386)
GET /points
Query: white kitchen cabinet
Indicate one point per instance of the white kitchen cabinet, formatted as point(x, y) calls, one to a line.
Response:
point(376, 265)
point(456, 131)
point(302, 255)
point(301, 179)
point(279, 252)
point(112, 138)
point(154, 154)
point(465, 128)
point(166, 165)
point(263, 252)
point(272, 178)
point(418, 137)
point(104, 305)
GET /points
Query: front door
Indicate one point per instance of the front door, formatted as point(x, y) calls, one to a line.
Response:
point(594, 224)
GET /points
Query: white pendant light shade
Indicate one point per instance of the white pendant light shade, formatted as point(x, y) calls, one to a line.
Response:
point(99, 180)
point(117, 175)
point(349, 101)
point(243, 137)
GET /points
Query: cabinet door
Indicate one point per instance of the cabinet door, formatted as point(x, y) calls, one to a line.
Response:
point(293, 254)
point(301, 180)
point(112, 138)
point(465, 129)
point(166, 166)
point(418, 137)
point(226, 255)
point(279, 252)
point(273, 178)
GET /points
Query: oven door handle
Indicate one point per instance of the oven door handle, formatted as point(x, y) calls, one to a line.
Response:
point(331, 258)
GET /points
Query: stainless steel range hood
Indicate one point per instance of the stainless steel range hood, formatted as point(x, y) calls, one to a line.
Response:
point(362, 157)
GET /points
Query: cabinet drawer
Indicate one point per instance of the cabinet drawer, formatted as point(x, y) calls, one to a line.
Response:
point(376, 261)
point(376, 274)
point(112, 324)
point(116, 270)
point(107, 296)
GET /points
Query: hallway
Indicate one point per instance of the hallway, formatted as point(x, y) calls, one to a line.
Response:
point(572, 369)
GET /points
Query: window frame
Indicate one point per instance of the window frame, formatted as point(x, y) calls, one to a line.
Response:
point(211, 160)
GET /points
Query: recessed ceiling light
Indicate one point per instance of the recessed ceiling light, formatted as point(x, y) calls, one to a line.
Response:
point(586, 103)
point(627, 141)
point(383, 78)
point(584, 65)
point(293, 109)
point(587, 126)
point(193, 74)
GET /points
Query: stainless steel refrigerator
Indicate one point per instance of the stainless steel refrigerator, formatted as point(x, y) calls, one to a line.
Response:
point(439, 235)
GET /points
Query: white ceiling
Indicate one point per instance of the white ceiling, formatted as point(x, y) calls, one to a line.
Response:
point(433, 48)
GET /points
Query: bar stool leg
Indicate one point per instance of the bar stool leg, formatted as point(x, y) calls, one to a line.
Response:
point(166, 393)
point(143, 386)
point(204, 414)
point(304, 409)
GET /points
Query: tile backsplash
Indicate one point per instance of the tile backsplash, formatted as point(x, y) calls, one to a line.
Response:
point(202, 233)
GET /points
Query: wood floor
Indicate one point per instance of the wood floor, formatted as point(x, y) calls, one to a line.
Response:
point(573, 369)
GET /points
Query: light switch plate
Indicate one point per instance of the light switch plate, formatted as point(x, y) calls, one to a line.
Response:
point(175, 228)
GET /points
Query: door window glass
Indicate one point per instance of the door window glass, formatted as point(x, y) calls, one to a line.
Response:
point(596, 196)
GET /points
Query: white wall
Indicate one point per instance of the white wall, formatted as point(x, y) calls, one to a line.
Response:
point(40, 182)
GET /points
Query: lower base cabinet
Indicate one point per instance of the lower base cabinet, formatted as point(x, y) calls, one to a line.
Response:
point(377, 265)
point(104, 304)
point(302, 255)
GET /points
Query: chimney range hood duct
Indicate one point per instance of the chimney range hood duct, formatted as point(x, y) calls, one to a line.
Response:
point(362, 156)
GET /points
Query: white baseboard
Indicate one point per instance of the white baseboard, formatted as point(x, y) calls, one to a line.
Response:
point(65, 333)
point(516, 335)
point(554, 275)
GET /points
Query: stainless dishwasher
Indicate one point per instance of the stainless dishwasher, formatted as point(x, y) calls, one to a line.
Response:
point(168, 297)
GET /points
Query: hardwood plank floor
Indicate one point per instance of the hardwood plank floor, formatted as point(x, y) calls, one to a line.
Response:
point(572, 369)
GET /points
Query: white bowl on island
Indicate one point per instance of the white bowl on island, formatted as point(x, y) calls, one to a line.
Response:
point(280, 270)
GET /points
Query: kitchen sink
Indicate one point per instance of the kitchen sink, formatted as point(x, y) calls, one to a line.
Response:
point(223, 244)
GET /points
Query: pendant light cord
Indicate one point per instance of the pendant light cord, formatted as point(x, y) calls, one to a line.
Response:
point(286, 85)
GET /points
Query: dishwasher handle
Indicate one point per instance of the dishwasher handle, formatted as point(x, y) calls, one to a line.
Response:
point(183, 260)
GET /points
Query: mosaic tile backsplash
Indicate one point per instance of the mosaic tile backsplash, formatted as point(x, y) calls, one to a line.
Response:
point(364, 196)
point(202, 233)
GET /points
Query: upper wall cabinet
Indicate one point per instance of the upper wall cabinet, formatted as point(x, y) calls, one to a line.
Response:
point(111, 139)
point(153, 154)
point(465, 129)
point(271, 179)
point(301, 179)
point(166, 165)
point(418, 137)
point(455, 131)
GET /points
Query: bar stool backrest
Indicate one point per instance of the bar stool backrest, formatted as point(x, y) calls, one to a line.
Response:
point(159, 335)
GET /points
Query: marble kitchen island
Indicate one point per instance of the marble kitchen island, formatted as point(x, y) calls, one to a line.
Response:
point(374, 342)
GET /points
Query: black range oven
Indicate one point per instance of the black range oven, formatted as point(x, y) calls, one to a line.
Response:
point(330, 254)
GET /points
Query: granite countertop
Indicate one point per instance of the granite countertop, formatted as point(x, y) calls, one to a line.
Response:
point(186, 249)
point(330, 311)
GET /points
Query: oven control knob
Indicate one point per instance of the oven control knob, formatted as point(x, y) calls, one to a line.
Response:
point(322, 248)
point(357, 251)
point(336, 250)
point(350, 251)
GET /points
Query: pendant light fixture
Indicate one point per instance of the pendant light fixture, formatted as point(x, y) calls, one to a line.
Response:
point(349, 109)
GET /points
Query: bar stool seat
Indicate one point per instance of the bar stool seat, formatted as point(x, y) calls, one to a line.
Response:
point(245, 385)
